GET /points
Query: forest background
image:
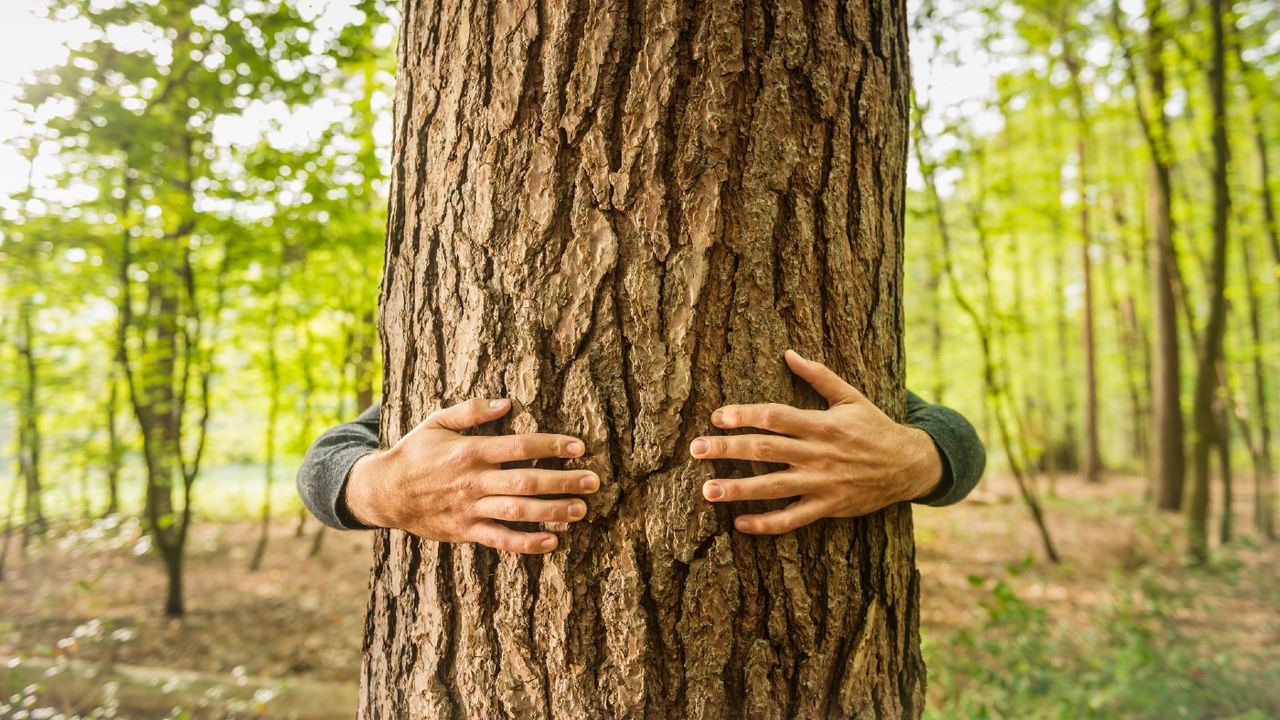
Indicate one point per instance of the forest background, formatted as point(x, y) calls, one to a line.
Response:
point(192, 204)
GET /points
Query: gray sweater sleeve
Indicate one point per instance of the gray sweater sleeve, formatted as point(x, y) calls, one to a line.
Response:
point(322, 477)
point(963, 457)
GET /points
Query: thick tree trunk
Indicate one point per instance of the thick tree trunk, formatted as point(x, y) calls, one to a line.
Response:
point(620, 216)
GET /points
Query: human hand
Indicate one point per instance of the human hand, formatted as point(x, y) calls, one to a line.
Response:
point(441, 485)
point(848, 460)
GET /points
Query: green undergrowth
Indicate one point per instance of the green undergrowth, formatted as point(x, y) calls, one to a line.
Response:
point(1134, 660)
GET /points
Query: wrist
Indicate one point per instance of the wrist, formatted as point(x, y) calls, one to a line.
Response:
point(361, 495)
point(923, 469)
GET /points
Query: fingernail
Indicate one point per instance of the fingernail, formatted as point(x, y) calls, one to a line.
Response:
point(742, 524)
point(590, 483)
point(577, 511)
point(548, 544)
point(717, 417)
point(699, 447)
point(575, 447)
point(712, 491)
point(495, 404)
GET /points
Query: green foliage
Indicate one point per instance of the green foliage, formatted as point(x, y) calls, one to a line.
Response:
point(1134, 661)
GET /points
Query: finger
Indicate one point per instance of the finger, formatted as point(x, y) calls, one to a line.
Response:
point(763, 448)
point(523, 509)
point(536, 481)
point(767, 416)
point(468, 414)
point(770, 486)
point(828, 384)
point(528, 446)
point(499, 536)
point(796, 515)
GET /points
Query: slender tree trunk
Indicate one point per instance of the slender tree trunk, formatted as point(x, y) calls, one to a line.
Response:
point(273, 415)
point(306, 430)
point(1259, 446)
point(364, 362)
point(1263, 487)
point(29, 451)
point(1226, 521)
point(1091, 459)
point(11, 510)
point(1128, 339)
point(115, 452)
point(936, 336)
point(620, 218)
point(1211, 349)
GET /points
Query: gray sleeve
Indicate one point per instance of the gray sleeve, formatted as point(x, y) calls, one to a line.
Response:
point(322, 477)
point(963, 456)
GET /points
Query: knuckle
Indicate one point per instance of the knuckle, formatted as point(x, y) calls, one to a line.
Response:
point(777, 487)
point(463, 452)
point(510, 509)
point(762, 449)
point(468, 485)
point(524, 484)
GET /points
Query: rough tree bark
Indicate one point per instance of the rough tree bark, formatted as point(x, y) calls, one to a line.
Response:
point(620, 215)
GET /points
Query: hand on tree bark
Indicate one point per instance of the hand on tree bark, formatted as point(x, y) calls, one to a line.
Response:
point(441, 485)
point(848, 460)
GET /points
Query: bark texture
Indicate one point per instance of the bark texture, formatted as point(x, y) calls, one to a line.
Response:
point(620, 215)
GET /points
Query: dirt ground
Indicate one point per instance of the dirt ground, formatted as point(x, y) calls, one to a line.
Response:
point(95, 594)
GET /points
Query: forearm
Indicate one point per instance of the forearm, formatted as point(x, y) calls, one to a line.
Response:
point(322, 477)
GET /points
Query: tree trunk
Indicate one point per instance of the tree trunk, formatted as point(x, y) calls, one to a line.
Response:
point(1091, 458)
point(1208, 383)
point(33, 519)
point(29, 451)
point(273, 416)
point(1263, 513)
point(115, 452)
point(620, 218)
point(1263, 486)
point(1167, 451)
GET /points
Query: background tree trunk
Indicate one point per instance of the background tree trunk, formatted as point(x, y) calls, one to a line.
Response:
point(1208, 430)
point(1167, 464)
point(620, 217)
point(29, 441)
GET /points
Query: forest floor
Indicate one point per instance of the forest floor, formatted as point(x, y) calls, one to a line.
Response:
point(1121, 627)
